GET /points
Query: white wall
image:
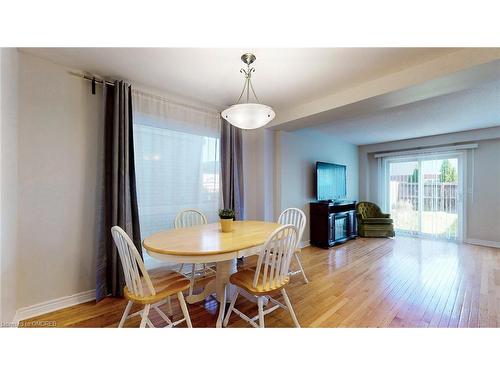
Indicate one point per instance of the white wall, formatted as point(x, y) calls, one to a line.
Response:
point(297, 153)
point(59, 148)
point(483, 176)
point(8, 188)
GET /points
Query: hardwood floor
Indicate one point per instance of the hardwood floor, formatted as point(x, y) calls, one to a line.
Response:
point(404, 282)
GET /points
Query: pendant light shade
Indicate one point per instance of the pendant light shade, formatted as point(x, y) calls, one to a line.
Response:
point(248, 115)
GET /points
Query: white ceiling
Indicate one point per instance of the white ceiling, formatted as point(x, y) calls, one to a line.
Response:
point(283, 77)
point(464, 110)
point(292, 79)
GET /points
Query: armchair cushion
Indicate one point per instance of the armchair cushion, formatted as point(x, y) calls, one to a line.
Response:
point(368, 209)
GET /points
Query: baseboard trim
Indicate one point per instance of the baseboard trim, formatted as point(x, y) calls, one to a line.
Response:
point(53, 305)
point(474, 241)
point(304, 244)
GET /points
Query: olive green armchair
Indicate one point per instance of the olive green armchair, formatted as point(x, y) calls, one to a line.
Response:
point(372, 222)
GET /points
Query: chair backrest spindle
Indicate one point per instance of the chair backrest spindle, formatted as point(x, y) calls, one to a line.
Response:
point(275, 257)
point(132, 263)
point(295, 217)
point(189, 218)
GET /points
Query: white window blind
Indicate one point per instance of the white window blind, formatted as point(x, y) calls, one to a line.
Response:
point(177, 160)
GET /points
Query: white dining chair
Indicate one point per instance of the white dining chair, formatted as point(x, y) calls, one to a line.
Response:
point(298, 218)
point(189, 218)
point(153, 289)
point(268, 278)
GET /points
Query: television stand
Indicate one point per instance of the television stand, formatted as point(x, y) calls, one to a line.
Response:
point(332, 223)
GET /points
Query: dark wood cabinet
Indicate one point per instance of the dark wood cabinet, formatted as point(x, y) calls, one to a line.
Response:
point(332, 223)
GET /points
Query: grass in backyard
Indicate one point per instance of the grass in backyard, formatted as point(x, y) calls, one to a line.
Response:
point(433, 222)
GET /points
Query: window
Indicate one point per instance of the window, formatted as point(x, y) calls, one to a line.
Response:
point(174, 171)
point(177, 161)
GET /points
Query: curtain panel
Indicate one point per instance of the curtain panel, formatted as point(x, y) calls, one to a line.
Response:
point(232, 168)
point(118, 204)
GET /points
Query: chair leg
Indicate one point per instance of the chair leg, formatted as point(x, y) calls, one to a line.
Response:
point(260, 304)
point(297, 258)
point(191, 284)
point(184, 309)
point(290, 309)
point(181, 267)
point(145, 314)
point(125, 314)
point(233, 302)
point(169, 306)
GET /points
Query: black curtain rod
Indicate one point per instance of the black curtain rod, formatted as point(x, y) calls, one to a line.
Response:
point(100, 81)
point(93, 79)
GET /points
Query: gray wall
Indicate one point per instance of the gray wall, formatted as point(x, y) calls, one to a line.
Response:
point(297, 153)
point(483, 204)
point(258, 177)
point(8, 188)
point(483, 176)
point(59, 143)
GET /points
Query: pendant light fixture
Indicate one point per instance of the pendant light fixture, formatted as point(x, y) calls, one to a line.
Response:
point(248, 115)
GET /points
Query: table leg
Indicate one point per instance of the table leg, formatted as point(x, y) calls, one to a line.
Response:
point(218, 286)
point(207, 291)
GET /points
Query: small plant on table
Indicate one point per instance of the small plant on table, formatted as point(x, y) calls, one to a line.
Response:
point(226, 216)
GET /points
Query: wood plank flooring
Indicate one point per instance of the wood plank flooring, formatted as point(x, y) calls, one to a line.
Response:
point(401, 282)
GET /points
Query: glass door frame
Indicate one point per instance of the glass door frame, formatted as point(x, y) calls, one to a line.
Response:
point(461, 196)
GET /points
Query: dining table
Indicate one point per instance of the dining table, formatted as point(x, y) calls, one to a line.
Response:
point(206, 243)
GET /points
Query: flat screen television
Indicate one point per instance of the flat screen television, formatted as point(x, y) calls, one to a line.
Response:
point(330, 181)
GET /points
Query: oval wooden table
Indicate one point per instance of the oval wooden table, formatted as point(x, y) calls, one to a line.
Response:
point(207, 244)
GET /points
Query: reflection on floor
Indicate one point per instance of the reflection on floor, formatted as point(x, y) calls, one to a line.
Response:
point(401, 282)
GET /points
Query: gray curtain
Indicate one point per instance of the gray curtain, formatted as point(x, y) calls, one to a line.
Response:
point(118, 204)
point(232, 168)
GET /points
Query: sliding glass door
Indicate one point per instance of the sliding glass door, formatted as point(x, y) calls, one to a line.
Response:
point(403, 190)
point(424, 195)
